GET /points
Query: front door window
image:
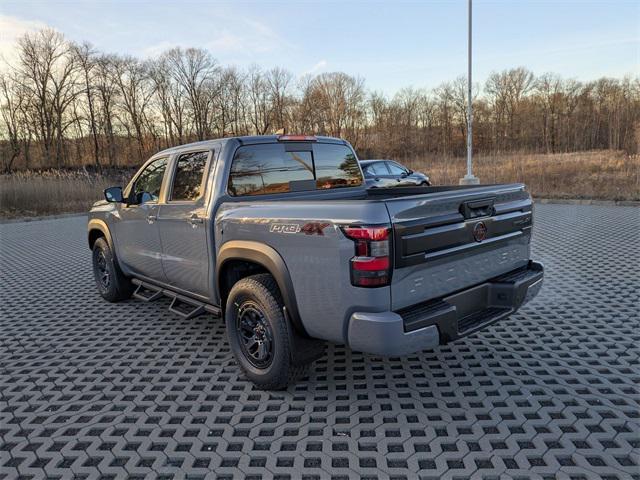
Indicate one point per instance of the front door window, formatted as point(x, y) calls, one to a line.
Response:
point(147, 186)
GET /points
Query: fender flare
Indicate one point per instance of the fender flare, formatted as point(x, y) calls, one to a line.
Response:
point(271, 260)
point(101, 225)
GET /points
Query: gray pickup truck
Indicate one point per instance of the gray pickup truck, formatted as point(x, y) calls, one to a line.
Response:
point(280, 235)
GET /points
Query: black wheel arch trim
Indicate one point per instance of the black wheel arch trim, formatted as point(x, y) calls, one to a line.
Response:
point(101, 226)
point(271, 260)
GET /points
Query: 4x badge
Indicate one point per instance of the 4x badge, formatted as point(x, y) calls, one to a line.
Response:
point(311, 228)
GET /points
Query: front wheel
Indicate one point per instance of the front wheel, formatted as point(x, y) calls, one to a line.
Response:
point(111, 282)
point(259, 333)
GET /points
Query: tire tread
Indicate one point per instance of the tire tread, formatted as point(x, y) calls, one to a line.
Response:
point(264, 287)
point(122, 288)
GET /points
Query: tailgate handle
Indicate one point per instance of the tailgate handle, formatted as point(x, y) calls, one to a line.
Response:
point(477, 208)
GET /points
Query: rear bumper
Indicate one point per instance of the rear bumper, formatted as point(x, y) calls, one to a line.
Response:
point(443, 320)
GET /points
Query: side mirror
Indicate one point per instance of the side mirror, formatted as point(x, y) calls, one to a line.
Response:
point(409, 172)
point(114, 195)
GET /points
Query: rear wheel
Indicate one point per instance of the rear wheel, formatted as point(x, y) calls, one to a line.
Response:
point(259, 333)
point(111, 282)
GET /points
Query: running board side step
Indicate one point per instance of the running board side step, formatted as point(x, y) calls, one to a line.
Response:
point(146, 293)
point(185, 307)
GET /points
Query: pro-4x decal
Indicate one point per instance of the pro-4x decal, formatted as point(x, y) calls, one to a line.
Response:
point(284, 228)
point(315, 228)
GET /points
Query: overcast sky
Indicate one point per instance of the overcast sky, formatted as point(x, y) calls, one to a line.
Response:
point(391, 44)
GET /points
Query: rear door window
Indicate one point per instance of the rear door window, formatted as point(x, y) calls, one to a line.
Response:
point(395, 169)
point(188, 180)
point(377, 168)
point(280, 168)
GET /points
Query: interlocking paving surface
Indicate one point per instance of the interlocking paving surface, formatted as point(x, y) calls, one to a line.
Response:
point(94, 390)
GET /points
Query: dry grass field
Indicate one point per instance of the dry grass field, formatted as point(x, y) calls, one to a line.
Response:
point(28, 194)
point(602, 175)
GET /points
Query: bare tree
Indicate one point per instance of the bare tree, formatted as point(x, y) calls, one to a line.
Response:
point(107, 93)
point(506, 91)
point(194, 69)
point(170, 99)
point(340, 99)
point(132, 78)
point(47, 69)
point(278, 81)
point(444, 95)
point(68, 104)
point(259, 104)
point(231, 103)
point(12, 101)
point(86, 57)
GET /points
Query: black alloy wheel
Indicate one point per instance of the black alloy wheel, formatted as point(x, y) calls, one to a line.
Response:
point(103, 274)
point(255, 335)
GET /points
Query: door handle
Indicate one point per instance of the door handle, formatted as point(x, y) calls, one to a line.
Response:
point(195, 220)
point(151, 218)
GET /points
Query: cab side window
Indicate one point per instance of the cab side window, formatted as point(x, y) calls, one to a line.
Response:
point(148, 183)
point(188, 181)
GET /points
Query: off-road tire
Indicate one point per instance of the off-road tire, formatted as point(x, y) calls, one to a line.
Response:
point(261, 291)
point(118, 287)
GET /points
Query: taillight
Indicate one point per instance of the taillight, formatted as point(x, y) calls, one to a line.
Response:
point(371, 266)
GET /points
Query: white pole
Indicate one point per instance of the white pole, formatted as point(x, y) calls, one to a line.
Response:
point(469, 105)
point(469, 178)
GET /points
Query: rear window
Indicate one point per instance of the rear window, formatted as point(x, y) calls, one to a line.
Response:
point(336, 166)
point(280, 168)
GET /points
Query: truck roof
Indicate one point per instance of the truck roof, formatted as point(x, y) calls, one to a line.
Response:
point(243, 140)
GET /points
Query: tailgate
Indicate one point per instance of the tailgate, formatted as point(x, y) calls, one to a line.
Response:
point(451, 240)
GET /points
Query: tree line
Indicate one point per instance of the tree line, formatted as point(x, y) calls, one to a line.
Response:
point(65, 104)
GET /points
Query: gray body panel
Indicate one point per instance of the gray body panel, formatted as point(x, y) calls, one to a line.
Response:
point(142, 250)
point(185, 246)
point(318, 264)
